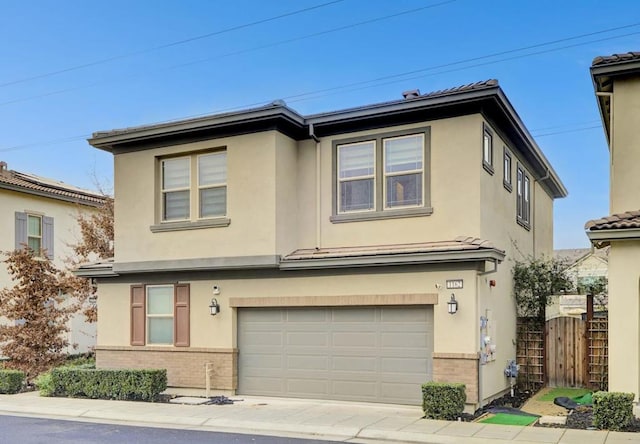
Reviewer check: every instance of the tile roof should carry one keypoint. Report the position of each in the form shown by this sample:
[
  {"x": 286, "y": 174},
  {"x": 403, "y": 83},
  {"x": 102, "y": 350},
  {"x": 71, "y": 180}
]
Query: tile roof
[
  {"x": 619, "y": 221},
  {"x": 573, "y": 255},
  {"x": 43, "y": 186},
  {"x": 459, "y": 244},
  {"x": 616, "y": 58}
]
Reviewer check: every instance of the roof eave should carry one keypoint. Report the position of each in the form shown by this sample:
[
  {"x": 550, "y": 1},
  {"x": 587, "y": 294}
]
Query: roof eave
[
  {"x": 394, "y": 259},
  {"x": 69, "y": 199},
  {"x": 107, "y": 140},
  {"x": 602, "y": 238}
]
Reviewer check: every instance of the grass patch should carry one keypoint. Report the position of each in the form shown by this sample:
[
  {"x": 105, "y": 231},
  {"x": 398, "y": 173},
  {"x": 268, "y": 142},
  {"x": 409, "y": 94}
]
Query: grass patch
[
  {"x": 509, "y": 419},
  {"x": 563, "y": 391}
]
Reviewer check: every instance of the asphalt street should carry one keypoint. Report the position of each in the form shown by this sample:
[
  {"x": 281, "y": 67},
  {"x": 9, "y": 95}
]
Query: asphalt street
[{"x": 23, "y": 430}]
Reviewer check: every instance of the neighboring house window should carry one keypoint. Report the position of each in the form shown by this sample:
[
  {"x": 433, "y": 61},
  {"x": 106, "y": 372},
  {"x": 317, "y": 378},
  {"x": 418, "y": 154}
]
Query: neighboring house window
[
  {"x": 185, "y": 194},
  {"x": 35, "y": 232},
  {"x": 506, "y": 166},
  {"x": 383, "y": 175},
  {"x": 487, "y": 149},
  {"x": 160, "y": 315},
  {"x": 523, "y": 197}
]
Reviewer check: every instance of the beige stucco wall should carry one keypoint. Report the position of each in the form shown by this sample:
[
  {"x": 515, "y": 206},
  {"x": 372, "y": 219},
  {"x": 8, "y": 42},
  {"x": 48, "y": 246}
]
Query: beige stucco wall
[
  {"x": 219, "y": 331},
  {"x": 251, "y": 203},
  {"x": 624, "y": 314},
  {"x": 65, "y": 232},
  {"x": 625, "y": 156},
  {"x": 286, "y": 174}
]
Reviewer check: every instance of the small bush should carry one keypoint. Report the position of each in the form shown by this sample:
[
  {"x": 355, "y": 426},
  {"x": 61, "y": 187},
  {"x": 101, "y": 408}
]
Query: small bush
[
  {"x": 612, "y": 410},
  {"x": 11, "y": 381},
  {"x": 443, "y": 400},
  {"x": 44, "y": 383},
  {"x": 144, "y": 385}
]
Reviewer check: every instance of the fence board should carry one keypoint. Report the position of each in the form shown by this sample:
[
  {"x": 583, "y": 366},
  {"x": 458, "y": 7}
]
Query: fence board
[{"x": 565, "y": 352}]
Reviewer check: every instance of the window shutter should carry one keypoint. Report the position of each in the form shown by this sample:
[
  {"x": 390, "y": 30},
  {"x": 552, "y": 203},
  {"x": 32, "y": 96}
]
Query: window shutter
[
  {"x": 181, "y": 316},
  {"x": 21, "y": 230},
  {"x": 138, "y": 315},
  {"x": 47, "y": 235}
]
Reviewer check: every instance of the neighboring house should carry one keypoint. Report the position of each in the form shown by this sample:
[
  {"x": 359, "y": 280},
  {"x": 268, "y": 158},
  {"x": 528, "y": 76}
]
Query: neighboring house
[
  {"x": 333, "y": 244},
  {"x": 585, "y": 266},
  {"x": 616, "y": 81},
  {"x": 42, "y": 213}
]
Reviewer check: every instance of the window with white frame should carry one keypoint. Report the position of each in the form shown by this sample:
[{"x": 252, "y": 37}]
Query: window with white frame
[
  {"x": 403, "y": 171},
  {"x": 34, "y": 233},
  {"x": 159, "y": 314},
  {"x": 383, "y": 175},
  {"x": 201, "y": 195},
  {"x": 212, "y": 184},
  {"x": 356, "y": 176},
  {"x": 176, "y": 189}
]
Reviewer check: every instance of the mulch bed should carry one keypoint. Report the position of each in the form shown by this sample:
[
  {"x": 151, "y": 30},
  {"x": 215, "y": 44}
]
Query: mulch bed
[{"x": 582, "y": 418}]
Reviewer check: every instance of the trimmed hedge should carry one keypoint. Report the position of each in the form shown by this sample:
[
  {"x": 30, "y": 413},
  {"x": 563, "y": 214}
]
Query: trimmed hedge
[
  {"x": 11, "y": 381},
  {"x": 443, "y": 400},
  {"x": 133, "y": 385},
  {"x": 612, "y": 410}
]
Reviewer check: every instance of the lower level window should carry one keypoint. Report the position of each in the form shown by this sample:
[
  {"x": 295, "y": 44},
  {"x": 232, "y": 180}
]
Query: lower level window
[{"x": 160, "y": 314}]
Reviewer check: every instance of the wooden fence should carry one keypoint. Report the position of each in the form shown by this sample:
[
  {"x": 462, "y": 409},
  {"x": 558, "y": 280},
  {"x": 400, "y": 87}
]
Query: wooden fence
[{"x": 563, "y": 352}]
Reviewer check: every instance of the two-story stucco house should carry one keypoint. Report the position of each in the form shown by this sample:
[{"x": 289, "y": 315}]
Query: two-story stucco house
[
  {"x": 353, "y": 254},
  {"x": 616, "y": 82},
  {"x": 42, "y": 213}
]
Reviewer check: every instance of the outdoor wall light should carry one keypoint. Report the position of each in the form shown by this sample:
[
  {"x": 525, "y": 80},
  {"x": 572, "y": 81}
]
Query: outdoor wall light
[
  {"x": 452, "y": 305},
  {"x": 214, "y": 308}
]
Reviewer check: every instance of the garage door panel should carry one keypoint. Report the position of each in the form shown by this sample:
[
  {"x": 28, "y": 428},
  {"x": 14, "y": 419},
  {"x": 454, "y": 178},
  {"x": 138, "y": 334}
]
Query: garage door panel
[{"x": 378, "y": 354}]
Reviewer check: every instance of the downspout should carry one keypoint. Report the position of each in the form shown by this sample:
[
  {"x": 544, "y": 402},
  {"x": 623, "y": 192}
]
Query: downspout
[{"x": 312, "y": 134}]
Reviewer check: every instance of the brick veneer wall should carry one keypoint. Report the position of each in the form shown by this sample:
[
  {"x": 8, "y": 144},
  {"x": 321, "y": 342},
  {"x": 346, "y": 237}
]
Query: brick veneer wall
[
  {"x": 185, "y": 366},
  {"x": 458, "y": 367}
]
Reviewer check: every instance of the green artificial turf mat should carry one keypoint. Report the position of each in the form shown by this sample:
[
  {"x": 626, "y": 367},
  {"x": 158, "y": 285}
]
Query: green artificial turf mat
[
  {"x": 586, "y": 399},
  {"x": 509, "y": 419},
  {"x": 563, "y": 391}
]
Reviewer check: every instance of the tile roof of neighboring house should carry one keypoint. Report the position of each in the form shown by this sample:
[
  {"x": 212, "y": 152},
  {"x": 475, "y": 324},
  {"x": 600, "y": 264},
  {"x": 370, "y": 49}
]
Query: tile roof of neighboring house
[
  {"x": 573, "y": 255},
  {"x": 42, "y": 186},
  {"x": 620, "y": 221},
  {"x": 616, "y": 58},
  {"x": 460, "y": 244}
]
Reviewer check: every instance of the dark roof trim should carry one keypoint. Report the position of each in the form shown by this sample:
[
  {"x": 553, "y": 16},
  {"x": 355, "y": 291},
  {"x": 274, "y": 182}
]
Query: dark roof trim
[
  {"x": 70, "y": 199},
  {"x": 481, "y": 97},
  {"x": 603, "y": 70}
]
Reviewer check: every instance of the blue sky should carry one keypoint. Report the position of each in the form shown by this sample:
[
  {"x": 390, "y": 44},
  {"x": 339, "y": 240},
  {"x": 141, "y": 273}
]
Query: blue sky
[{"x": 339, "y": 48}]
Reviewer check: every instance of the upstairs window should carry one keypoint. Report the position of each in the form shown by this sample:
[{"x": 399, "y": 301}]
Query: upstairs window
[
  {"x": 193, "y": 187},
  {"x": 403, "y": 171},
  {"x": 356, "y": 177},
  {"x": 381, "y": 176},
  {"x": 523, "y": 198},
  {"x": 176, "y": 183},
  {"x": 506, "y": 166},
  {"x": 34, "y": 231},
  {"x": 487, "y": 149}
]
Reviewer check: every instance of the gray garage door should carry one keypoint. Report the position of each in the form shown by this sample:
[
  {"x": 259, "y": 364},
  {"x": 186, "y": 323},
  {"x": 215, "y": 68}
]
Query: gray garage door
[{"x": 378, "y": 354}]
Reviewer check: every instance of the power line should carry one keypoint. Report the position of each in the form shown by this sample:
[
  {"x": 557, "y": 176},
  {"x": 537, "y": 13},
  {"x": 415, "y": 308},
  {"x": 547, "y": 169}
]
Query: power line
[
  {"x": 569, "y": 131},
  {"x": 565, "y": 125},
  {"x": 244, "y": 51},
  {"x": 168, "y": 45}
]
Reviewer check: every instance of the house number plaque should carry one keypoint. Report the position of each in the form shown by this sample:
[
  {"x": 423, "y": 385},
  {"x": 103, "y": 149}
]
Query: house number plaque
[{"x": 454, "y": 284}]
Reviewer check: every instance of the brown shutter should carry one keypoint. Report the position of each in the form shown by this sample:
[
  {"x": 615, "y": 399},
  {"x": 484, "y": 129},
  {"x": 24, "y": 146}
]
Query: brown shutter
[
  {"x": 181, "y": 313},
  {"x": 138, "y": 315}
]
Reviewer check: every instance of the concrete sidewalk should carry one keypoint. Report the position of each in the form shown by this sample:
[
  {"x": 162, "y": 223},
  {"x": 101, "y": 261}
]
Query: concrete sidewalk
[{"x": 328, "y": 420}]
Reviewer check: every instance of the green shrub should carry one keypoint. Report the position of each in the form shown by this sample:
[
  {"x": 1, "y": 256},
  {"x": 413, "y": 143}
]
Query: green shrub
[
  {"x": 612, "y": 410},
  {"x": 11, "y": 381},
  {"x": 145, "y": 385},
  {"x": 443, "y": 400},
  {"x": 44, "y": 382}
]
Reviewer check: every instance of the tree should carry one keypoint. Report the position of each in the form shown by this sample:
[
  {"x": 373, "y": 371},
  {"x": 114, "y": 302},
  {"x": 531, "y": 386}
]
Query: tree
[
  {"x": 96, "y": 243},
  {"x": 535, "y": 281},
  {"x": 35, "y": 307}
]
